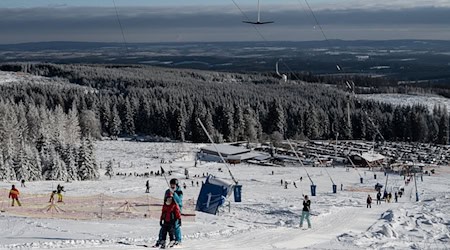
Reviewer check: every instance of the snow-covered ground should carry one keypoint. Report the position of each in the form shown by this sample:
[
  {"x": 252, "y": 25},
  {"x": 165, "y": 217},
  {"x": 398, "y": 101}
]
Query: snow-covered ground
[
  {"x": 403, "y": 99},
  {"x": 268, "y": 217}
]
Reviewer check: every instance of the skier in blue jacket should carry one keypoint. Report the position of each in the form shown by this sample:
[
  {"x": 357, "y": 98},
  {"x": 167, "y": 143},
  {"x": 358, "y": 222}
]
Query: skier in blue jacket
[{"x": 177, "y": 194}]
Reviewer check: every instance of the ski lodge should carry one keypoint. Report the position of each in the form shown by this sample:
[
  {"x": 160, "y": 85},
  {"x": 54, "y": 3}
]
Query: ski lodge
[
  {"x": 231, "y": 154},
  {"x": 367, "y": 159}
]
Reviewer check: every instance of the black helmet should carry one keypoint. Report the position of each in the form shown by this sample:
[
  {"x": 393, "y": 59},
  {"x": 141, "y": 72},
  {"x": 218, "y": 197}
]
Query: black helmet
[{"x": 174, "y": 181}]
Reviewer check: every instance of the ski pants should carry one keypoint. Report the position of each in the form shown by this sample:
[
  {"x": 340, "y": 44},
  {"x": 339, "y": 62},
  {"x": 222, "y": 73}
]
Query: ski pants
[
  {"x": 18, "y": 202},
  {"x": 369, "y": 205},
  {"x": 177, "y": 231},
  {"x": 305, "y": 215},
  {"x": 167, "y": 228}
]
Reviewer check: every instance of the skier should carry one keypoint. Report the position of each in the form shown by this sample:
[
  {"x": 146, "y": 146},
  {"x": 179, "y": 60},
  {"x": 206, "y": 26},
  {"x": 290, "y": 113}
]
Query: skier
[
  {"x": 59, "y": 190},
  {"x": 305, "y": 211},
  {"x": 295, "y": 185},
  {"x": 396, "y": 197},
  {"x": 170, "y": 217},
  {"x": 177, "y": 195},
  {"x": 281, "y": 182},
  {"x": 52, "y": 196},
  {"x": 369, "y": 201},
  {"x": 147, "y": 186},
  {"x": 14, "y": 195},
  {"x": 184, "y": 185},
  {"x": 22, "y": 183},
  {"x": 378, "y": 198},
  {"x": 389, "y": 197},
  {"x": 342, "y": 187}
]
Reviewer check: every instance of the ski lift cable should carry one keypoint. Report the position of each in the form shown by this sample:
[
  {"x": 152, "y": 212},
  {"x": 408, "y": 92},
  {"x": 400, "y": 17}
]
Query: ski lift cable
[
  {"x": 125, "y": 43},
  {"x": 354, "y": 166},
  {"x": 338, "y": 67},
  {"x": 215, "y": 147},
  {"x": 262, "y": 36},
  {"x": 301, "y": 163},
  {"x": 325, "y": 169}
]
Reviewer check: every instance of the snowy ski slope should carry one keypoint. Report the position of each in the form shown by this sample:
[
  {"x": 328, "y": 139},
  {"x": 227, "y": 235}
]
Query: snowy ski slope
[{"x": 267, "y": 218}]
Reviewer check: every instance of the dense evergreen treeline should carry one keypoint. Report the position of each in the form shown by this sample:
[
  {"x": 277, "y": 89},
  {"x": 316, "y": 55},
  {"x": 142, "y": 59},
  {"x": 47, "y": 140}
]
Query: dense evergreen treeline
[
  {"x": 38, "y": 143},
  {"x": 129, "y": 100}
]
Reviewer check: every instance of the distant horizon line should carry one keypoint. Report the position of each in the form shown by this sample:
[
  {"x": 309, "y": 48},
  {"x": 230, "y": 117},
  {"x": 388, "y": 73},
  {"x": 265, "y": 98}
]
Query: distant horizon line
[{"x": 256, "y": 41}]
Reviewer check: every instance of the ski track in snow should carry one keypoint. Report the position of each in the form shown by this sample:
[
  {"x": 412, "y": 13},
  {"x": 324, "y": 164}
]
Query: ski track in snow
[{"x": 268, "y": 217}]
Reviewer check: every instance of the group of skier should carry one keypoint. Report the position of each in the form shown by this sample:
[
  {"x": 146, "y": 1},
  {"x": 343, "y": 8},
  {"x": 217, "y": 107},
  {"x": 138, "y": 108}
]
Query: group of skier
[{"x": 386, "y": 196}]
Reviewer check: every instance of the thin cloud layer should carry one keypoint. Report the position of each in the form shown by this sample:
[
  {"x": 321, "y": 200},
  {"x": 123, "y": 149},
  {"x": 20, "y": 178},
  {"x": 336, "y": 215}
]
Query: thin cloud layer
[{"x": 164, "y": 24}]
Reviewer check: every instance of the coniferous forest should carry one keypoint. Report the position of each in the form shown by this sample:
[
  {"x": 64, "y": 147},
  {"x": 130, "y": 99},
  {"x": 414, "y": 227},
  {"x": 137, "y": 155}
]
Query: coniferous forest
[{"x": 47, "y": 130}]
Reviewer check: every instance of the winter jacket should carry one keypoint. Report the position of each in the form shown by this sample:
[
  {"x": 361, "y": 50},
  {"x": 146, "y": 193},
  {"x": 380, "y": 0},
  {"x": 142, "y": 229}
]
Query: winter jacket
[
  {"x": 14, "y": 193},
  {"x": 177, "y": 196},
  {"x": 306, "y": 205},
  {"x": 378, "y": 196},
  {"x": 369, "y": 200},
  {"x": 170, "y": 213}
]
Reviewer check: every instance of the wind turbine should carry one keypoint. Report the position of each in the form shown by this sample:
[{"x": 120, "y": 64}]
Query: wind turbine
[{"x": 259, "y": 18}]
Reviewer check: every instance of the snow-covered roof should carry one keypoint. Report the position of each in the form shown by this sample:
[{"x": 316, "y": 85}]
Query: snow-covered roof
[
  {"x": 248, "y": 155},
  {"x": 371, "y": 157},
  {"x": 225, "y": 149}
]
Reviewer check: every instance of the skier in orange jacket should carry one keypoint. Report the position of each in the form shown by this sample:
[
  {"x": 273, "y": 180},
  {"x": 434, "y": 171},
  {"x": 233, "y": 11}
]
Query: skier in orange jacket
[{"x": 14, "y": 195}]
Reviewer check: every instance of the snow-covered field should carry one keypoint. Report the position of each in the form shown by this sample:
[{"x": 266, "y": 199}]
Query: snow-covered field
[
  {"x": 403, "y": 99},
  {"x": 268, "y": 217}
]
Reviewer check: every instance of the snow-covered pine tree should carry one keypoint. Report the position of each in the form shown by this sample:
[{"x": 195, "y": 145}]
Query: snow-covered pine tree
[
  {"x": 22, "y": 164},
  {"x": 4, "y": 170},
  {"x": 87, "y": 167},
  {"x": 70, "y": 156},
  {"x": 115, "y": 122},
  {"x": 35, "y": 171},
  {"x": 109, "y": 169},
  {"x": 57, "y": 170}
]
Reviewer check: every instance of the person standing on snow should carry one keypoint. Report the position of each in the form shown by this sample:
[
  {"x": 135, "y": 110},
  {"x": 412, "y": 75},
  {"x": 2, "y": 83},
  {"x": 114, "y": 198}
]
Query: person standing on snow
[
  {"x": 369, "y": 201},
  {"x": 177, "y": 195},
  {"x": 147, "y": 187},
  {"x": 14, "y": 195},
  {"x": 305, "y": 211},
  {"x": 170, "y": 217},
  {"x": 378, "y": 198}
]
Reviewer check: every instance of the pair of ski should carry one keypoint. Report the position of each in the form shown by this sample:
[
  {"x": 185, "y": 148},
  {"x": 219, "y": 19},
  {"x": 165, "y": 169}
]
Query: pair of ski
[{"x": 172, "y": 244}]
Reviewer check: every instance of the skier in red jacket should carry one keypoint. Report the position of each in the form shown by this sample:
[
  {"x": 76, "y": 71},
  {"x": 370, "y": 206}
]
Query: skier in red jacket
[
  {"x": 169, "y": 217},
  {"x": 14, "y": 195}
]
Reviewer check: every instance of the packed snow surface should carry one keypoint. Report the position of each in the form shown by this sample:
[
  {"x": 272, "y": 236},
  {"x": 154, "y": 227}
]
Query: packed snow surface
[{"x": 268, "y": 217}]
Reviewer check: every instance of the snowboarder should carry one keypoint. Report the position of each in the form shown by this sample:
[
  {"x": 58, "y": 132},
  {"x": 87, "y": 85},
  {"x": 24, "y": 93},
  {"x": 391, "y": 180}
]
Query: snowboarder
[
  {"x": 177, "y": 195},
  {"x": 378, "y": 198},
  {"x": 14, "y": 195},
  {"x": 170, "y": 217},
  {"x": 305, "y": 211},
  {"x": 369, "y": 201},
  {"x": 147, "y": 186}
]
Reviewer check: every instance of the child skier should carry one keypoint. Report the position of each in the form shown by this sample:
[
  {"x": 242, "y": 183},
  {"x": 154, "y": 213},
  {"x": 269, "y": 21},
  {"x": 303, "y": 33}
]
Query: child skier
[
  {"x": 14, "y": 195},
  {"x": 170, "y": 217},
  {"x": 177, "y": 194}
]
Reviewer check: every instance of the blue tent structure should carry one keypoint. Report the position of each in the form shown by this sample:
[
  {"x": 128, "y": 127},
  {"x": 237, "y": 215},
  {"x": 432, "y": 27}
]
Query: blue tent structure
[{"x": 213, "y": 194}]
